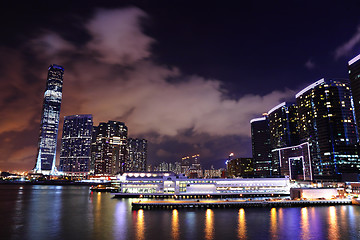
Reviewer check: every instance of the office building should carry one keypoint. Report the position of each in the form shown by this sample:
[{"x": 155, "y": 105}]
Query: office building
[
  {"x": 109, "y": 148},
  {"x": 261, "y": 147},
  {"x": 49, "y": 125},
  {"x": 75, "y": 154},
  {"x": 137, "y": 155}
]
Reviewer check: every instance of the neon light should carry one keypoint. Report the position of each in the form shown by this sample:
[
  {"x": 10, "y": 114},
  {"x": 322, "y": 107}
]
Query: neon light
[
  {"x": 311, "y": 86},
  {"x": 258, "y": 119},
  {"x": 355, "y": 59},
  {"x": 277, "y": 149},
  {"x": 276, "y": 107}
]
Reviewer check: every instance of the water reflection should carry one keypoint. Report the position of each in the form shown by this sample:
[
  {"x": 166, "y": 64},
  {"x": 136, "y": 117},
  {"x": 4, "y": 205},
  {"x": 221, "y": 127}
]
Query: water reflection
[
  {"x": 98, "y": 213},
  {"x": 38, "y": 212},
  {"x": 175, "y": 224},
  {"x": 120, "y": 225},
  {"x": 273, "y": 224},
  {"x": 242, "y": 224},
  {"x": 305, "y": 223},
  {"x": 333, "y": 224},
  {"x": 209, "y": 224},
  {"x": 140, "y": 225},
  {"x": 44, "y": 220}
]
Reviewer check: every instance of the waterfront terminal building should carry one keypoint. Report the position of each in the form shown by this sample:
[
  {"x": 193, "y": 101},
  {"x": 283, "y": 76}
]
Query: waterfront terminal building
[{"x": 164, "y": 184}]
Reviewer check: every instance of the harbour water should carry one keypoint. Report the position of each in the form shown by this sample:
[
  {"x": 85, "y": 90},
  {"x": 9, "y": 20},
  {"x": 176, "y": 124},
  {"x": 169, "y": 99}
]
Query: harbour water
[{"x": 73, "y": 212}]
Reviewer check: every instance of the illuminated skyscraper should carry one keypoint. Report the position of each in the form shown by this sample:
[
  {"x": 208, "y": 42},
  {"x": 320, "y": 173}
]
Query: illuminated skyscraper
[
  {"x": 75, "y": 154},
  {"x": 109, "y": 143},
  {"x": 354, "y": 75},
  {"x": 46, "y": 157},
  {"x": 261, "y": 148},
  {"x": 137, "y": 155},
  {"x": 283, "y": 124},
  {"x": 327, "y": 123}
]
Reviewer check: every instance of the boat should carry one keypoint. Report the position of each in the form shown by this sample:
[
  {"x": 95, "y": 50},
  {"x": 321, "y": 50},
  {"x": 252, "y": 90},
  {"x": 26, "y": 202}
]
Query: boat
[{"x": 104, "y": 188}]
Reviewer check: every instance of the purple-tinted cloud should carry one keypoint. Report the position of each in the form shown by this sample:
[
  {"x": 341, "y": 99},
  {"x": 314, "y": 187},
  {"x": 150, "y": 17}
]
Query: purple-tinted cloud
[
  {"x": 310, "y": 64},
  {"x": 346, "y": 49}
]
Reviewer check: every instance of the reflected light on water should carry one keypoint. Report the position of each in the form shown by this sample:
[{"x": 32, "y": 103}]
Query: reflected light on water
[
  {"x": 333, "y": 224},
  {"x": 175, "y": 224},
  {"x": 242, "y": 224},
  {"x": 305, "y": 223},
  {"x": 343, "y": 214},
  {"x": 273, "y": 224},
  {"x": 209, "y": 224},
  {"x": 140, "y": 225}
]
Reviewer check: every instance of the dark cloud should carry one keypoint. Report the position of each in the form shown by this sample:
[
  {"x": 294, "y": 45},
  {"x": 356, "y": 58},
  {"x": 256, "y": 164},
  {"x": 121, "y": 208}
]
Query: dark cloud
[{"x": 113, "y": 77}]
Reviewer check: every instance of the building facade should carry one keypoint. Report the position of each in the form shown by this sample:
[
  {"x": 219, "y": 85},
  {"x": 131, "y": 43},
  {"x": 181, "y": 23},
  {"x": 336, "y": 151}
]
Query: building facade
[
  {"x": 261, "y": 147},
  {"x": 283, "y": 130},
  {"x": 240, "y": 167},
  {"x": 137, "y": 155},
  {"x": 327, "y": 123},
  {"x": 49, "y": 125},
  {"x": 295, "y": 161},
  {"x": 354, "y": 76},
  {"x": 109, "y": 148},
  {"x": 155, "y": 183},
  {"x": 75, "y": 154}
]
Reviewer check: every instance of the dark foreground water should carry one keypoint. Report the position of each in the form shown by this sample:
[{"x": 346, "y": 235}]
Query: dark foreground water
[{"x": 72, "y": 212}]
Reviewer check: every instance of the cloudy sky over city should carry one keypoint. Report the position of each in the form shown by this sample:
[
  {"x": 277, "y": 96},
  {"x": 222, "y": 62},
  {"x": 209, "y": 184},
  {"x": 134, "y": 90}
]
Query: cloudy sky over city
[{"x": 186, "y": 76}]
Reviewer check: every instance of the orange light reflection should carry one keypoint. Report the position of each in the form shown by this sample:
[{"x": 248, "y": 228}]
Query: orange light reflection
[
  {"x": 175, "y": 225},
  {"x": 140, "y": 225},
  {"x": 333, "y": 224},
  {"x": 305, "y": 223},
  {"x": 273, "y": 224},
  {"x": 209, "y": 224},
  {"x": 242, "y": 224}
]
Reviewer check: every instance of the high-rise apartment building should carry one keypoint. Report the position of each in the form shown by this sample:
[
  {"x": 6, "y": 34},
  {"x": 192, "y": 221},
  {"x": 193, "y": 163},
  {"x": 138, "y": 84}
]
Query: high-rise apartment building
[
  {"x": 75, "y": 154},
  {"x": 49, "y": 125},
  {"x": 261, "y": 147},
  {"x": 137, "y": 155},
  {"x": 326, "y": 122},
  {"x": 109, "y": 148}
]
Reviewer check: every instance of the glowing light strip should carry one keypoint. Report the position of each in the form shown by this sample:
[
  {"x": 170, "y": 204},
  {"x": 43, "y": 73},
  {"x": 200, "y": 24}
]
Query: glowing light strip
[
  {"x": 277, "y": 149},
  {"x": 310, "y": 87},
  {"x": 257, "y": 119},
  {"x": 355, "y": 59},
  {"x": 276, "y": 107}
]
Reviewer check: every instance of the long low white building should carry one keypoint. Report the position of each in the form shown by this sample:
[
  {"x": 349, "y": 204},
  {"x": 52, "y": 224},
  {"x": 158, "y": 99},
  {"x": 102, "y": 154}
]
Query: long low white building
[{"x": 171, "y": 184}]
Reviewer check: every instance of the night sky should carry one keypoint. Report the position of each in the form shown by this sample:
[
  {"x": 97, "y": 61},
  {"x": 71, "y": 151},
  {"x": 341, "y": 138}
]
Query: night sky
[{"x": 186, "y": 75}]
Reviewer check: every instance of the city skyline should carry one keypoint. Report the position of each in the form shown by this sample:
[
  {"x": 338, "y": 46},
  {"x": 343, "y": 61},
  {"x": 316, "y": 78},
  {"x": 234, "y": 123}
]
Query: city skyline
[{"x": 187, "y": 84}]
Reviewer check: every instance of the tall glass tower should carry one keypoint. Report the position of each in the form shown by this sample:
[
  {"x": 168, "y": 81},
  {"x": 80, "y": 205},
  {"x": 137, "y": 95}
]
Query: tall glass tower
[{"x": 49, "y": 125}]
